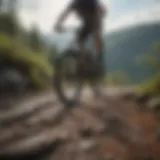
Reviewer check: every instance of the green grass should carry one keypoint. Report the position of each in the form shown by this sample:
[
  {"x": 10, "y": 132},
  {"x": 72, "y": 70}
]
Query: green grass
[
  {"x": 37, "y": 64},
  {"x": 152, "y": 86}
]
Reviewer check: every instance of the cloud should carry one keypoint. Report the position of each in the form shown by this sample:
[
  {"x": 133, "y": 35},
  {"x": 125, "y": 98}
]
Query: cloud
[
  {"x": 44, "y": 16},
  {"x": 148, "y": 15},
  {"x": 45, "y": 12}
]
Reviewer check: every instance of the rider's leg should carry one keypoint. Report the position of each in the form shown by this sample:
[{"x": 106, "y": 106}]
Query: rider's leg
[
  {"x": 98, "y": 40},
  {"x": 81, "y": 38},
  {"x": 96, "y": 25},
  {"x": 98, "y": 43}
]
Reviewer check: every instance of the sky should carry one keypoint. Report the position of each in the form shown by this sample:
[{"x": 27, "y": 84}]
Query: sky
[{"x": 121, "y": 13}]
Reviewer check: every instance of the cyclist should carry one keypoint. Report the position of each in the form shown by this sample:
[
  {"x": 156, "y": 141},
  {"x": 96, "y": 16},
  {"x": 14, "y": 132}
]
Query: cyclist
[{"x": 91, "y": 12}]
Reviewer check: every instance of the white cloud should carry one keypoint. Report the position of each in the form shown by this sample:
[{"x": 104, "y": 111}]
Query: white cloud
[
  {"x": 46, "y": 14},
  {"x": 47, "y": 11},
  {"x": 138, "y": 17}
]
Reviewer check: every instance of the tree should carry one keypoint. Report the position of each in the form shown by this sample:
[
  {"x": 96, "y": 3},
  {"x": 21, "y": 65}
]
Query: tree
[
  {"x": 8, "y": 20},
  {"x": 8, "y": 24},
  {"x": 10, "y": 6},
  {"x": 52, "y": 54},
  {"x": 1, "y": 5},
  {"x": 34, "y": 39}
]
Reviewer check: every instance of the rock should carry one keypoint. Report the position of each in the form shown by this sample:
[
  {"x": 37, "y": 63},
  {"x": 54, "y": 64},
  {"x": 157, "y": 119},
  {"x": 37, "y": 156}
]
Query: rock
[
  {"x": 145, "y": 158},
  {"x": 86, "y": 145},
  {"x": 63, "y": 136},
  {"x": 86, "y": 132},
  {"x": 32, "y": 153},
  {"x": 158, "y": 135},
  {"x": 109, "y": 157},
  {"x": 154, "y": 104},
  {"x": 108, "y": 121},
  {"x": 130, "y": 96},
  {"x": 12, "y": 80},
  {"x": 143, "y": 98}
]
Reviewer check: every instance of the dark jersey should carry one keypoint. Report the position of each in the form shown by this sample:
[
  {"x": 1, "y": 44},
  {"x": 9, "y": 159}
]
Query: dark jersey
[
  {"x": 89, "y": 5},
  {"x": 84, "y": 8}
]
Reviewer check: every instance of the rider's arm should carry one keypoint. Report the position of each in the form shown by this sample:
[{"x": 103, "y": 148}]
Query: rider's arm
[{"x": 64, "y": 15}]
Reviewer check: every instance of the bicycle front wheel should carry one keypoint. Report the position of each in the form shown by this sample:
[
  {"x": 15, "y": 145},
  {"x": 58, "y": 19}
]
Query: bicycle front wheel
[{"x": 67, "y": 80}]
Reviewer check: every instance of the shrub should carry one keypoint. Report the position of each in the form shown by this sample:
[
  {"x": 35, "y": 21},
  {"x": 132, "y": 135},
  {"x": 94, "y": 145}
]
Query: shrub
[{"x": 35, "y": 65}]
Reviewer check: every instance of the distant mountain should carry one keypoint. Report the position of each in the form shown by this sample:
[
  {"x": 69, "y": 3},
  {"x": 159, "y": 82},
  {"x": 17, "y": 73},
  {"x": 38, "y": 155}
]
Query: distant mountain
[
  {"x": 122, "y": 48},
  {"x": 125, "y": 46}
]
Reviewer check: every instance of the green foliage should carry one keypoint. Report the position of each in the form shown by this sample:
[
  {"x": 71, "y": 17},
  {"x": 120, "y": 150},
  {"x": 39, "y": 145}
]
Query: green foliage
[
  {"x": 36, "y": 64},
  {"x": 153, "y": 62},
  {"x": 153, "y": 85},
  {"x": 35, "y": 41},
  {"x": 23, "y": 50},
  {"x": 117, "y": 78},
  {"x": 8, "y": 17},
  {"x": 8, "y": 24}
]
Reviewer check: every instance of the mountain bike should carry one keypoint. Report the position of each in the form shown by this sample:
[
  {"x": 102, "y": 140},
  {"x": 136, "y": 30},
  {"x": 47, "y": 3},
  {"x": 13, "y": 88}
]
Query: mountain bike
[{"x": 73, "y": 70}]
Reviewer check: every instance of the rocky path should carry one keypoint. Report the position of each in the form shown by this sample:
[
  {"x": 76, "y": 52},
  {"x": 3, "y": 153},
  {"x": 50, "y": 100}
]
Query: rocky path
[{"x": 115, "y": 128}]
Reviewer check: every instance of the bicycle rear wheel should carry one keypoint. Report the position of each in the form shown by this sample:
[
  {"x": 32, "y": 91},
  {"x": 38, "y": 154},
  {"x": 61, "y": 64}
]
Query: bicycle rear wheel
[{"x": 67, "y": 80}]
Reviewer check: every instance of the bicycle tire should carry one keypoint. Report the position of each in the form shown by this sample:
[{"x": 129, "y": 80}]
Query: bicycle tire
[{"x": 58, "y": 67}]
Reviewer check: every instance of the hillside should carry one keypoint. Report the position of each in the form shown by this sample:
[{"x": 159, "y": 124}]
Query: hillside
[{"x": 125, "y": 46}]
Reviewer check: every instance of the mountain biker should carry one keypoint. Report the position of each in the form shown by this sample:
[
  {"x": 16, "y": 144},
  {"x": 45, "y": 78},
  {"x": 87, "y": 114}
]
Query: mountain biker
[{"x": 91, "y": 12}]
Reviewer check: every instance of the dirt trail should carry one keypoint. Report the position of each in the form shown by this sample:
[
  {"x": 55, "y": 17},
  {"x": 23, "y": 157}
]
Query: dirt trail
[{"x": 37, "y": 127}]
